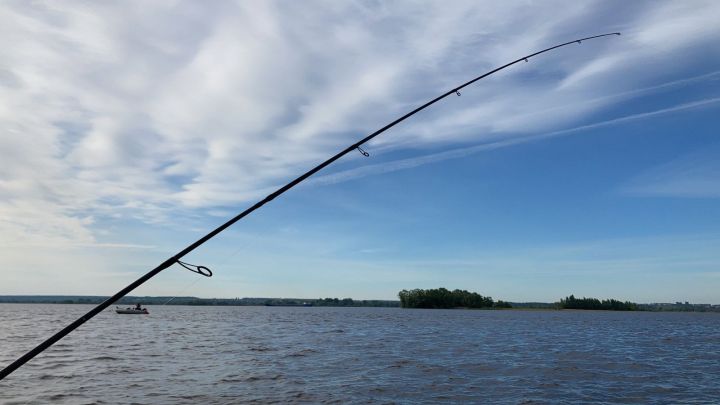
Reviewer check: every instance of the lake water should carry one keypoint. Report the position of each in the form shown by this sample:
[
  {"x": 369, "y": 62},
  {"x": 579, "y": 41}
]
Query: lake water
[{"x": 224, "y": 355}]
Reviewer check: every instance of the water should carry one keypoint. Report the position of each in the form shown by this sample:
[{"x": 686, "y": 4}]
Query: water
[{"x": 222, "y": 355}]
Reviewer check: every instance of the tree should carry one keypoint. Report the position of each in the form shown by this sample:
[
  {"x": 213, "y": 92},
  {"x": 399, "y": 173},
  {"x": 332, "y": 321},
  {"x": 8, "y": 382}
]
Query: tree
[{"x": 443, "y": 298}]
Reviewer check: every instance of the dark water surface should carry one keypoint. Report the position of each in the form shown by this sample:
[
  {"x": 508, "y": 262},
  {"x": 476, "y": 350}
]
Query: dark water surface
[{"x": 230, "y": 355}]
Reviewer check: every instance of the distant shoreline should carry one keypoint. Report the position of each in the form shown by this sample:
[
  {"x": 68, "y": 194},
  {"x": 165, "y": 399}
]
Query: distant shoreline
[
  {"x": 195, "y": 301},
  {"x": 307, "y": 302}
]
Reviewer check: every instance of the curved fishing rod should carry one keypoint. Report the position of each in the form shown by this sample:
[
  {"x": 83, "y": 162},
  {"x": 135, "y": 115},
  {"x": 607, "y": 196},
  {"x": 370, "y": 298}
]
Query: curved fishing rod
[{"x": 204, "y": 270}]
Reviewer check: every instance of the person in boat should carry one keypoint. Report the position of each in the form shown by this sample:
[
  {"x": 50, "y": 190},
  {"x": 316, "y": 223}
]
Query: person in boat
[{"x": 138, "y": 307}]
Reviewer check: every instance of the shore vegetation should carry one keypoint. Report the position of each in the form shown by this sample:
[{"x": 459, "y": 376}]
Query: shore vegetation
[
  {"x": 444, "y": 298},
  {"x": 593, "y": 303}
]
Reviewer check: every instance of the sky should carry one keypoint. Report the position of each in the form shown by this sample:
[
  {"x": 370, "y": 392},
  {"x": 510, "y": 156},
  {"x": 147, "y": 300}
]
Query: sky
[{"x": 128, "y": 130}]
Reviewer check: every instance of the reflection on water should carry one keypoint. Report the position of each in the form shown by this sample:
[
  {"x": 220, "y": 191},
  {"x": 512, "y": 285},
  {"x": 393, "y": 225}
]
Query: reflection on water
[{"x": 296, "y": 354}]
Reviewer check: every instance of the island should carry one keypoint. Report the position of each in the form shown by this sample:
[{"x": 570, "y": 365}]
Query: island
[{"x": 446, "y": 299}]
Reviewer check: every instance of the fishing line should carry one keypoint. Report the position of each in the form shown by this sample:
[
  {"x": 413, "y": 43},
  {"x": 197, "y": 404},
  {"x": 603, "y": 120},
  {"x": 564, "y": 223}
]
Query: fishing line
[
  {"x": 202, "y": 269},
  {"x": 177, "y": 294},
  {"x": 241, "y": 247},
  {"x": 225, "y": 259}
]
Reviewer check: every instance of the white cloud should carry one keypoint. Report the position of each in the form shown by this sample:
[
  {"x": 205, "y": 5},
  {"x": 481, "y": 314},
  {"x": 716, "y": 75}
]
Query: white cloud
[{"x": 141, "y": 109}]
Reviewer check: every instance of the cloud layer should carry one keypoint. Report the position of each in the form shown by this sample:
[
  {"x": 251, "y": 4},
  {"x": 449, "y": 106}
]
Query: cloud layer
[{"x": 138, "y": 110}]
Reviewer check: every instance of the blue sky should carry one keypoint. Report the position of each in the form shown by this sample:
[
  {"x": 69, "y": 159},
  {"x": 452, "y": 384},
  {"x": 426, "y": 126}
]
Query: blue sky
[{"x": 130, "y": 130}]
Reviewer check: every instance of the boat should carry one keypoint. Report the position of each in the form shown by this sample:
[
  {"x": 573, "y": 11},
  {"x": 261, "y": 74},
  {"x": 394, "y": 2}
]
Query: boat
[{"x": 129, "y": 311}]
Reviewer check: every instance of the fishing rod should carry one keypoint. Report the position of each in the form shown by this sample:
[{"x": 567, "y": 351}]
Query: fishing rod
[{"x": 202, "y": 270}]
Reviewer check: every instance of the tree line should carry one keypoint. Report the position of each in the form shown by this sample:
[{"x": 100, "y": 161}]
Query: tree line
[
  {"x": 593, "y": 303},
  {"x": 444, "y": 298},
  {"x": 146, "y": 300}
]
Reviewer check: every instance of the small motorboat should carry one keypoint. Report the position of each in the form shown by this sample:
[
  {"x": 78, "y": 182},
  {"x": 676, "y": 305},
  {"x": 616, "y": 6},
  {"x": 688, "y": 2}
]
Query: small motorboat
[{"x": 129, "y": 311}]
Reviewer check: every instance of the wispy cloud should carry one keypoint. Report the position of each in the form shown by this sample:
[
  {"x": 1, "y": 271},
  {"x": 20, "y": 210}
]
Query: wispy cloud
[
  {"x": 694, "y": 175},
  {"x": 143, "y": 110},
  {"x": 610, "y": 267},
  {"x": 403, "y": 164},
  {"x": 669, "y": 268}
]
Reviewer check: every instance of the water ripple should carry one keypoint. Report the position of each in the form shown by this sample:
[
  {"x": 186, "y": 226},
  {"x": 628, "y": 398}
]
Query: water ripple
[{"x": 226, "y": 355}]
